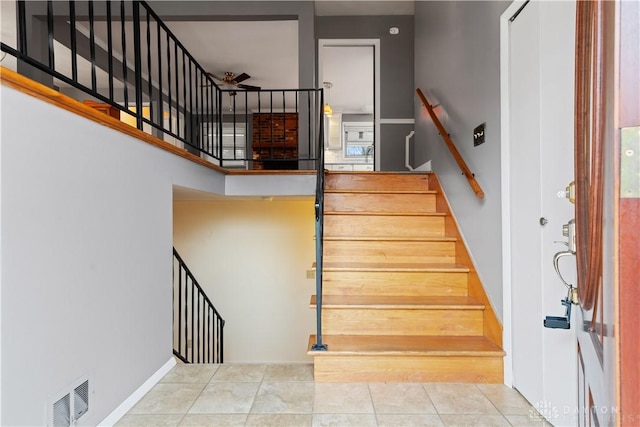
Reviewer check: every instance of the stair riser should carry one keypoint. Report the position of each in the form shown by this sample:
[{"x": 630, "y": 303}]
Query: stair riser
[
  {"x": 401, "y": 322},
  {"x": 377, "y": 182},
  {"x": 384, "y": 203},
  {"x": 394, "y": 283},
  {"x": 397, "y": 368},
  {"x": 392, "y": 251},
  {"x": 383, "y": 226}
]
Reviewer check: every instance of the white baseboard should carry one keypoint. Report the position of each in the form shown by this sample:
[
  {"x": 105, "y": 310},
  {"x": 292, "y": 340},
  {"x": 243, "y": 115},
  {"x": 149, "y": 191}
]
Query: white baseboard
[{"x": 125, "y": 406}]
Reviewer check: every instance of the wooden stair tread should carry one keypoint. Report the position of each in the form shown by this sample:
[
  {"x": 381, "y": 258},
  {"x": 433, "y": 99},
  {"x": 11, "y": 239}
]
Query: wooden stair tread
[
  {"x": 389, "y": 239},
  {"x": 385, "y": 302},
  {"x": 381, "y": 213},
  {"x": 348, "y": 191},
  {"x": 366, "y": 213},
  {"x": 390, "y": 266},
  {"x": 415, "y": 345}
]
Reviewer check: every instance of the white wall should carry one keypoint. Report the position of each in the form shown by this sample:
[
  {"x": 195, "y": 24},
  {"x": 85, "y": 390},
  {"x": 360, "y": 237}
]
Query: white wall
[
  {"x": 86, "y": 257},
  {"x": 457, "y": 62},
  {"x": 250, "y": 257}
]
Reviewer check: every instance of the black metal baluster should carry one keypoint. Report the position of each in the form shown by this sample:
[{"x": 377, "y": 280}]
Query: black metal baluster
[
  {"x": 109, "y": 50},
  {"x": 169, "y": 79},
  {"x": 284, "y": 126},
  {"x": 198, "y": 328},
  {"x": 209, "y": 115},
  {"x": 234, "y": 125},
  {"x": 22, "y": 27},
  {"x": 92, "y": 46},
  {"x": 52, "y": 60},
  {"x": 124, "y": 56},
  {"x": 221, "y": 359},
  {"x": 272, "y": 124},
  {"x": 175, "y": 51},
  {"x": 191, "y": 119},
  {"x": 137, "y": 63},
  {"x": 246, "y": 121},
  {"x": 180, "y": 309},
  {"x": 193, "y": 321},
  {"x": 186, "y": 317},
  {"x": 184, "y": 93},
  {"x": 74, "y": 40},
  {"x": 149, "y": 74}
]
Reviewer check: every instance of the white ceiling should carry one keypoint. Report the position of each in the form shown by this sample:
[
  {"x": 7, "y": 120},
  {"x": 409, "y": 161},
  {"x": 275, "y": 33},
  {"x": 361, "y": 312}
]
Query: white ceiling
[
  {"x": 266, "y": 50},
  {"x": 350, "y": 71}
]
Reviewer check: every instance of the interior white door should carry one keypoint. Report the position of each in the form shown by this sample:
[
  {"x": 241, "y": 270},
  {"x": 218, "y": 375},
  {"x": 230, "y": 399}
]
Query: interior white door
[
  {"x": 540, "y": 165},
  {"x": 526, "y": 209}
]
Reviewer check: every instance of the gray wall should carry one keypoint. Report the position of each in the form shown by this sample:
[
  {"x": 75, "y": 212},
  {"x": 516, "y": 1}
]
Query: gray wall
[
  {"x": 458, "y": 64},
  {"x": 86, "y": 238},
  {"x": 396, "y": 72}
]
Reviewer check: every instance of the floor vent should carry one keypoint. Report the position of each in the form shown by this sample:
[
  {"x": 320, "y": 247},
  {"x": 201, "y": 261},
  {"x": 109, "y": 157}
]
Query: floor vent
[{"x": 68, "y": 407}]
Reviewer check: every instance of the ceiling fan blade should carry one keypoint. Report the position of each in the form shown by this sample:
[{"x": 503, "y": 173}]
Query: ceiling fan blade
[
  {"x": 242, "y": 77},
  {"x": 249, "y": 87}
]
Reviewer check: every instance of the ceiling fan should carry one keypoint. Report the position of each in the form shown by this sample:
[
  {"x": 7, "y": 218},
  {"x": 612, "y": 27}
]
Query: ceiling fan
[{"x": 231, "y": 81}]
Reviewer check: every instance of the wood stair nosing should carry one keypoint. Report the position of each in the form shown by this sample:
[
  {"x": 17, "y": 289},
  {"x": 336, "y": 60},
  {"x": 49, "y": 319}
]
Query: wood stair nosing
[
  {"x": 406, "y": 345},
  {"x": 375, "y": 302},
  {"x": 392, "y": 267},
  {"x": 358, "y": 191},
  {"x": 389, "y": 239}
]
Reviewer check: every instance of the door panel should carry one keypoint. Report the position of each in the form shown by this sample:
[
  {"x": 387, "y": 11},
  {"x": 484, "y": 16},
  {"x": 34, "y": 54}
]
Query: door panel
[{"x": 541, "y": 164}]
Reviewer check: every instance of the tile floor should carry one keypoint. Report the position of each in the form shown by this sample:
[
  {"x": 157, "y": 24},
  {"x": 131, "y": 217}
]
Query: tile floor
[{"x": 285, "y": 395}]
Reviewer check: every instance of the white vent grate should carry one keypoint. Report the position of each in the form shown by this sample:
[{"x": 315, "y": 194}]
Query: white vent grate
[
  {"x": 71, "y": 404},
  {"x": 81, "y": 400},
  {"x": 61, "y": 416}
]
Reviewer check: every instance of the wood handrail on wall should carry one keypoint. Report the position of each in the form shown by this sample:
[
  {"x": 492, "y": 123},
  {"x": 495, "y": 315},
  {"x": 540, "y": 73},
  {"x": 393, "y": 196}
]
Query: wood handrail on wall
[{"x": 447, "y": 139}]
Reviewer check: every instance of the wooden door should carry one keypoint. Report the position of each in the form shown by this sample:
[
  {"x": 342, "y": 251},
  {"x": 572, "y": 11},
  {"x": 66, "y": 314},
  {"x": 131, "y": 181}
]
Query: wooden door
[{"x": 607, "y": 219}]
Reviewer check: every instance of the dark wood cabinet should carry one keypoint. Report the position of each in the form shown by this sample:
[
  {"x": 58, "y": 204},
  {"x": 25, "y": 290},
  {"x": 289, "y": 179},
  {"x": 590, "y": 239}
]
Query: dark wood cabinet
[{"x": 275, "y": 141}]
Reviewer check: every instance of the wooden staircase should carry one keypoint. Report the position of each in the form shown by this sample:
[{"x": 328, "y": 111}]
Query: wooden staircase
[{"x": 401, "y": 298}]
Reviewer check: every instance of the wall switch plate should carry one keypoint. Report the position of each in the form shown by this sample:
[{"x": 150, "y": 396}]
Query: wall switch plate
[
  {"x": 311, "y": 274},
  {"x": 478, "y": 135}
]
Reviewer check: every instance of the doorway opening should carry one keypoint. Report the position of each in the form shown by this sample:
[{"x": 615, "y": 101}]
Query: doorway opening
[{"x": 349, "y": 69}]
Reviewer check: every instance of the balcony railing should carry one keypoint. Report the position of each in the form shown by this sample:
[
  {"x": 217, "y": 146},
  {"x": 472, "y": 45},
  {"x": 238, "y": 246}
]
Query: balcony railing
[{"x": 121, "y": 54}]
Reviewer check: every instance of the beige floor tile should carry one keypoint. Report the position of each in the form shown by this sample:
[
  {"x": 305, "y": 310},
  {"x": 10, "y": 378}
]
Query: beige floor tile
[
  {"x": 279, "y": 420},
  {"x": 168, "y": 398},
  {"x": 459, "y": 399},
  {"x": 342, "y": 398},
  {"x": 527, "y": 421},
  {"x": 131, "y": 420},
  {"x": 294, "y": 372},
  {"x": 475, "y": 420},
  {"x": 400, "y": 398},
  {"x": 213, "y": 420},
  {"x": 225, "y": 398},
  {"x": 344, "y": 420},
  {"x": 409, "y": 420},
  {"x": 239, "y": 373},
  {"x": 190, "y": 374},
  {"x": 507, "y": 400},
  {"x": 284, "y": 397}
]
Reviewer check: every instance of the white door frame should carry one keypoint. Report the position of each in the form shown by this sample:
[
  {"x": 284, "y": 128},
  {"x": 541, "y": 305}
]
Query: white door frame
[
  {"x": 505, "y": 153},
  {"x": 376, "y": 80}
]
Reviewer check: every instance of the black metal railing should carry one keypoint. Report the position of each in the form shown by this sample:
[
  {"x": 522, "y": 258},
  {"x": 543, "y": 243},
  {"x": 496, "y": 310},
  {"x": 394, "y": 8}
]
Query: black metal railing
[
  {"x": 122, "y": 54},
  {"x": 198, "y": 328},
  {"x": 319, "y": 210}
]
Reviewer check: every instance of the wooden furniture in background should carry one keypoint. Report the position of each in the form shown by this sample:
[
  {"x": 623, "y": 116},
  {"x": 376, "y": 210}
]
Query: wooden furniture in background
[
  {"x": 103, "y": 108},
  {"x": 275, "y": 139}
]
